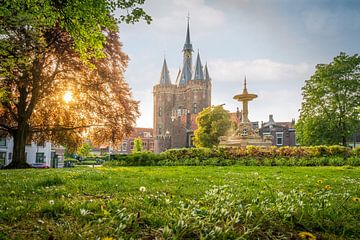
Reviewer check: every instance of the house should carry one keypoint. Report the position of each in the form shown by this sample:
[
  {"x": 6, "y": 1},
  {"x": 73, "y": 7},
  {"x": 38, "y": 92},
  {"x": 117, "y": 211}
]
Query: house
[
  {"x": 127, "y": 145},
  {"x": 51, "y": 155},
  {"x": 283, "y": 133}
]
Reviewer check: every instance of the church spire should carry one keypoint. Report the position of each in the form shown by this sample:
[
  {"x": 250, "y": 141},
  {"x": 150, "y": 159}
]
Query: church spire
[
  {"x": 165, "y": 76},
  {"x": 186, "y": 72},
  {"x": 198, "y": 73},
  {"x": 188, "y": 45}
]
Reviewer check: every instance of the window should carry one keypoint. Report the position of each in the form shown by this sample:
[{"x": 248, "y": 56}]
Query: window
[
  {"x": 194, "y": 108},
  {"x": 40, "y": 157},
  {"x": 2, "y": 158},
  {"x": 131, "y": 145},
  {"x": 2, "y": 142},
  {"x": 279, "y": 138},
  {"x": 179, "y": 112},
  {"x": 151, "y": 146},
  {"x": 160, "y": 130},
  {"x": 160, "y": 112},
  {"x": 144, "y": 145},
  {"x": 147, "y": 134},
  {"x": 10, "y": 156},
  {"x": 124, "y": 146}
]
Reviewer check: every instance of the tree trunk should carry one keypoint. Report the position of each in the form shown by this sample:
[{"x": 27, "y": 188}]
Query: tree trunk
[{"x": 19, "y": 157}]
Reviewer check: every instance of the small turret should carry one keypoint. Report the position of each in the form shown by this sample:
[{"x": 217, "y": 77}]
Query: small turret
[
  {"x": 198, "y": 73},
  {"x": 165, "y": 76},
  {"x": 206, "y": 72}
]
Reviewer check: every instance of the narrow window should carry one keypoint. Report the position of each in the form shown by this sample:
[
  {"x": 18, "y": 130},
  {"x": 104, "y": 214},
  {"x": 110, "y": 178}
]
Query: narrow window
[
  {"x": 2, "y": 158},
  {"x": 2, "y": 142},
  {"x": 279, "y": 138},
  {"x": 194, "y": 108},
  {"x": 160, "y": 111}
]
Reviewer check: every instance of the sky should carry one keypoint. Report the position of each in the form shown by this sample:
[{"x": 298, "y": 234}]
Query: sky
[{"x": 275, "y": 43}]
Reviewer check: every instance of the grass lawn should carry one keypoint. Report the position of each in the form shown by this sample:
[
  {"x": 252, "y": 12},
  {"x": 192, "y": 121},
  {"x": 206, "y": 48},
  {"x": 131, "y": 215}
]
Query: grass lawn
[{"x": 181, "y": 203}]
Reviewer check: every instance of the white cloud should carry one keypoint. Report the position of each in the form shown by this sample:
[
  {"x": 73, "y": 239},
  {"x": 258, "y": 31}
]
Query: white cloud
[{"x": 258, "y": 70}]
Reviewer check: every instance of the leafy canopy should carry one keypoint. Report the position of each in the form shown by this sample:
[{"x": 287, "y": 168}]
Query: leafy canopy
[
  {"x": 62, "y": 71},
  {"x": 212, "y": 122},
  {"x": 331, "y": 98}
]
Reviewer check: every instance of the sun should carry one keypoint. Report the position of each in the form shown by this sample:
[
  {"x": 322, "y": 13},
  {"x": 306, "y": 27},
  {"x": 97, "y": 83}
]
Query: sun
[{"x": 68, "y": 96}]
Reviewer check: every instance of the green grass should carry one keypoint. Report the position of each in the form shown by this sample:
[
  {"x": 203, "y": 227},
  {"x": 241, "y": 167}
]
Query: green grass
[{"x": 234, "y": 202}]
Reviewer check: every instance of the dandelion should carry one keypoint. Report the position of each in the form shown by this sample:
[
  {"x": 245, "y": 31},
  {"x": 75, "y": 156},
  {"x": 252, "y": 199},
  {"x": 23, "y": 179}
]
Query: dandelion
[
  {"x": 51, "y": 202},
  {"x": 319, "y": 181},
  {"x": 327, "y": 187},
  {"x": 142, "y": 189},
  {"x": 107, "y": 238},
  {"x": 306, "y": 235},
  {"x": 356, "y": 199}
]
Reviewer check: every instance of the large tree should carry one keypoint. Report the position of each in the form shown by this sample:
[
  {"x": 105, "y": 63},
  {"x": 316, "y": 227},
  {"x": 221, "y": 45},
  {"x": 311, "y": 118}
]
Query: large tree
[
  {"x": 62, "y": 72},
  {"x": 331, "y": 98},
  {"x": 212, "y": 122}
]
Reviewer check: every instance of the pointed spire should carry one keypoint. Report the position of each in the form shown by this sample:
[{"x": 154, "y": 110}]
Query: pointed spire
[
  {"x": 165, "y": 76},
  {"x": 206, "y": 72},
  {"x": 198, "y": 73},
  {"x": 245, "y": 89},
  {"x": 188, "y": 45}
]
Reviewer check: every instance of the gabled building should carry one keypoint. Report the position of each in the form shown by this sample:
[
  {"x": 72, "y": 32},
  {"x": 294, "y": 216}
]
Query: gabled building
[
  {"x": 176, "y": 102},
  {"x": 283, "y": 133}
]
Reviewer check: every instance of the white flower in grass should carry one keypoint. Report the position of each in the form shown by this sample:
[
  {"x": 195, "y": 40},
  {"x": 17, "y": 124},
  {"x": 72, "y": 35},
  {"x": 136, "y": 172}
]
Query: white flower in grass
[
  {"x": 84, "y": 212},
  {"x": 142, "y": 189},
  {"x": 51, "y": 202}
]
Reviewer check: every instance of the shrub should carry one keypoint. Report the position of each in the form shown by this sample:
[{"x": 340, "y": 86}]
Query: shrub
[{"x": 249, "y": 156}]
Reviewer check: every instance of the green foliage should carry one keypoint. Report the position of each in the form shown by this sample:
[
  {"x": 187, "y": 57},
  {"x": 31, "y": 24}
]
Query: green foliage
[
  {"x": 84, "y": 150},
  {"x": 331, "y": 99},
  {"x": 138, "y": 146},
  {"x": 249, "y": 156},
  {"x": 234, "y": 202},
  {"x": 212, "y": 123}
]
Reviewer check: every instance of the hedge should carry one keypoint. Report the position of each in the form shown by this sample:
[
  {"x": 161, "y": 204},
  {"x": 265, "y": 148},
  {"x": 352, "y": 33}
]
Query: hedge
[{"x": 250, "y": 155}]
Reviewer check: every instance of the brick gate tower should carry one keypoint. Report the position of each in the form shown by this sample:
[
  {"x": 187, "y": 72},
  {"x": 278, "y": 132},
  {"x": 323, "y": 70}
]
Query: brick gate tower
[{"x": 176, "y": 105}]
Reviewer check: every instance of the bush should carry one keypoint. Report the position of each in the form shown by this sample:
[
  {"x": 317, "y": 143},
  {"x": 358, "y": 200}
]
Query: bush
[{"x": 249, "y": 156}]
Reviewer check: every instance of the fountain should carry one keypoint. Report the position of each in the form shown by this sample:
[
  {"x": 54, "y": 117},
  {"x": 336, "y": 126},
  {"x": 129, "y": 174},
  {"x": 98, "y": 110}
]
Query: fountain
[{"x": 245, "y": 134}]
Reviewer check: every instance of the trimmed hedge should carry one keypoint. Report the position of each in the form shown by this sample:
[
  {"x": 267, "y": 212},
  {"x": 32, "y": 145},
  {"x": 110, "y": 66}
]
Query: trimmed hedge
[{"x": 248, "y": 156}]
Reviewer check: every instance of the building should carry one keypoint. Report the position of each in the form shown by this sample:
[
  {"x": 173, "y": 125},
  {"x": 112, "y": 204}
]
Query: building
[
  {"x": 146, "y": 135},
  {"x": 51, "y": 155},
  {"x": 283, "y": 133},
  {"x": 176, "y": 104}
]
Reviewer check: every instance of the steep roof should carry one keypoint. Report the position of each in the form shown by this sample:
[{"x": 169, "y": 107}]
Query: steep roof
[
  {"x": 165, "y": 76},
  {"x": 198, "y": 73}
]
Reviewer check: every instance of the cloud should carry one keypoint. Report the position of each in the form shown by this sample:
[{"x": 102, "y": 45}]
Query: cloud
[{"x": 258, "y": 70}]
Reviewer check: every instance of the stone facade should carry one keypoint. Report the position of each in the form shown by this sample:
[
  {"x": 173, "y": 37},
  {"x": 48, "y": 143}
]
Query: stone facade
[{"x": 176, "y": 105}]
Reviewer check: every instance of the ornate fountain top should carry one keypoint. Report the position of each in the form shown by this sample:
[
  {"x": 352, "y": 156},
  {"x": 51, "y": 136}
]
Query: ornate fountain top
[{"x": 245, "y": 96}]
